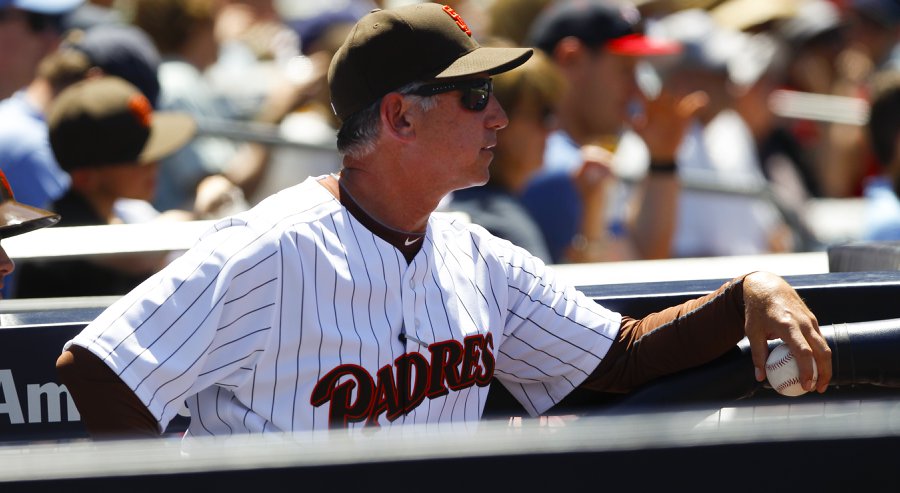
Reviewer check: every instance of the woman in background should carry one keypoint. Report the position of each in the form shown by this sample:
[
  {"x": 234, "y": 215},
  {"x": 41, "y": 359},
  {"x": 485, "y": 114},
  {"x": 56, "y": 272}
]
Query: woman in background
[{"x": 528, "y": 94}]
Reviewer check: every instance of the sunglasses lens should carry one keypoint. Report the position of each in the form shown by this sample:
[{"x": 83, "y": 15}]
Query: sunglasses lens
[
  {"x": 475, "y": 93},
  {"x": 476, "y": 98}
]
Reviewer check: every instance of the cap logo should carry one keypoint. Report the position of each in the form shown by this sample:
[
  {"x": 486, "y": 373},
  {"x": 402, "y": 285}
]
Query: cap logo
[
  {"x": 140, "y": 107},
  {"x": 459, "y": 22}
]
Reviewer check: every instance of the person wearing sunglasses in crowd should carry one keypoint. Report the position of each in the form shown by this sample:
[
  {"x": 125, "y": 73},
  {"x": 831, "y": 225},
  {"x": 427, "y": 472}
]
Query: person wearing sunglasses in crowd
[{"x": 347, "y": 302}]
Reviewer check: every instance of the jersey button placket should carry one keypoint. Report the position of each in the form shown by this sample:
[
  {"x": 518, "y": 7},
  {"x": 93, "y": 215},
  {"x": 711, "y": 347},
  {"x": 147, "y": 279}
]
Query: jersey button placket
[{"x": 408, "y": 295}]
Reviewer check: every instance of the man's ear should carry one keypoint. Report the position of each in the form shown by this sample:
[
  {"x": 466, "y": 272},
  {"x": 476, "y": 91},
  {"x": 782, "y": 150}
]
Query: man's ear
[
  {"x": 398, "y": 115},
  {"x": 569, "y": 51}
]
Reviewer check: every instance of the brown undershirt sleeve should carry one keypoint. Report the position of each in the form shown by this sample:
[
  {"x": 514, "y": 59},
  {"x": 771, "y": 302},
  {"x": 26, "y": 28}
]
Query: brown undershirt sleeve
[
  {"x": 108, "y": 407},
  {"x": 677, "y": 338}
]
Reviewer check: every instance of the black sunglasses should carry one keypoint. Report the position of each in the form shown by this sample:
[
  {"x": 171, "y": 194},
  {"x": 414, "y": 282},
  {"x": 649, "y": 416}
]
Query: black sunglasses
[{"x": 476, "y": 93}]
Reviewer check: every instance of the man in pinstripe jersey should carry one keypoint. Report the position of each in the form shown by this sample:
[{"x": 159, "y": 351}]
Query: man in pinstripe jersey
[{"x": 345, "y": 301}]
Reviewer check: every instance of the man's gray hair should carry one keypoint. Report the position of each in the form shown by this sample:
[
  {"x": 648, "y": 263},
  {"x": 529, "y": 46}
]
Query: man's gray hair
[{"x": 357, "y": 135}]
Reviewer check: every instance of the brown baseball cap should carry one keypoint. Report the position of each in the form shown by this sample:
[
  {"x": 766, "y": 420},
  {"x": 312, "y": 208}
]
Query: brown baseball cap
[
  {"x": 106, "y": 120},
  {"x": 388, "y": 49},
  {"x": 17, "y": 218}
]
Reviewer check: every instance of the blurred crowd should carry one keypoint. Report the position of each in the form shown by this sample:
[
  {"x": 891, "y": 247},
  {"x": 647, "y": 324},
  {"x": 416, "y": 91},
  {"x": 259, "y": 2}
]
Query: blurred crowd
[{"x": 638, "y": 130}]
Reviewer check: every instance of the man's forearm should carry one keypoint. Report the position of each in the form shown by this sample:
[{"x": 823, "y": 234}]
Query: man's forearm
[
  {"x": 652, "y": 226},
  {"x": 108, "y": 407},
  {"x": 674, "y": 339}
]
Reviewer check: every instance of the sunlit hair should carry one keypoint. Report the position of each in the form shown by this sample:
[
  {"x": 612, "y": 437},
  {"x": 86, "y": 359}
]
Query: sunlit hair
[
  {"x": 63, "y": 68},
  {"x": 533, "y": 86},
  {"x": 511, "y": 19},
  {"x": 357, "y": 135},
  {"x": 171, "y": 22}
]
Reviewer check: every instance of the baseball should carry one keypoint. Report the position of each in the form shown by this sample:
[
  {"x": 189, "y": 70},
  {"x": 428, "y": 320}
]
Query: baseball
[{"x": 783, "y": 373}]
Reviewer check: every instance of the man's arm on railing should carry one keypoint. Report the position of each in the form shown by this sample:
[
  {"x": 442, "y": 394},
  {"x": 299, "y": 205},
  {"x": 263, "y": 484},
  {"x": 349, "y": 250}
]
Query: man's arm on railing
[{"x": 109, "y": 409}]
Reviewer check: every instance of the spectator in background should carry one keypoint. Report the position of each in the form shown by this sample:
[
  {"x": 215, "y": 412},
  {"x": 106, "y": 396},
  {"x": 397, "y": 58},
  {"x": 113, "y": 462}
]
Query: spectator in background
[
  {"x": 121, "y": 50},
  {"x": 17, "y": 218},
  {"x": 770, "y": 150},
  {"x": 873, "y": 30},
  {"x": 512, "y": 19},
  {"x": 882, "y": 212},
  {"x": 720, "y": 147},
  {"x": 25, "y": 153},
  {"x": 312, "y": 121},
  {"x": 29, "y": 31},
  {"x": 255, "y": 46},
  {"x": 814, "y": 39},
  {"x": 94, "y": 13},
  {"x": 24, "y": 147},
  {"x": 184, "y": 33},
  {"x": 105, "y": 134},
  {"x": 529, "y": 95},
  {"x": 596, "y": 47}
]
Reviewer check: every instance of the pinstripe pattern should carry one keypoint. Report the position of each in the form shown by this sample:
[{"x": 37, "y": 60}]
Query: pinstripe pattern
[{"x": 268, "y": 321}]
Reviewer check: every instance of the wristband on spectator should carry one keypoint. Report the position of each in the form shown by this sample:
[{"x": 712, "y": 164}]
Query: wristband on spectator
[{"x": 663, "y": 167}]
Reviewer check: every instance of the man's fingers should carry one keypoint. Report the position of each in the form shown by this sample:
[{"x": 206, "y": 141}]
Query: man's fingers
[
  {"x": 759, "y": 350},
  {"x": 822, "y": 355},
  {"x": 804, "y": 355},
  {"x": 808, "y": 345}
]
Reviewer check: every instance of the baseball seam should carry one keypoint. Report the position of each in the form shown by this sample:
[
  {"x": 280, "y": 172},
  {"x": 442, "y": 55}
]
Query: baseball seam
[
  {"x": 781, "y": 362},
  {"x": 787, "y": 383}
]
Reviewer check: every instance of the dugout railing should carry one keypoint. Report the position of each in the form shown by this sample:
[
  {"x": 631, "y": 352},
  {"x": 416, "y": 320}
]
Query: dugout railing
[{"x": 35, "y": 408}]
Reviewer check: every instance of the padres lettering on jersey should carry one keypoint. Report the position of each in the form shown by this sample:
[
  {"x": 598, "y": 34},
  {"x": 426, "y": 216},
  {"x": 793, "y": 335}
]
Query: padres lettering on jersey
[
  {"x": 288, "y": 317},
  {"x": 400, "y": 388}
]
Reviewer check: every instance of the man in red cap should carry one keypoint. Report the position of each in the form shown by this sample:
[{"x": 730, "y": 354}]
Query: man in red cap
[{"x": 597, "y": 46}]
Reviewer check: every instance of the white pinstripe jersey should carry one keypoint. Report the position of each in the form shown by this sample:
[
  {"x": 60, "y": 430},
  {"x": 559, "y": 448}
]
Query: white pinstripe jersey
[{"x": 288, "y": 318}]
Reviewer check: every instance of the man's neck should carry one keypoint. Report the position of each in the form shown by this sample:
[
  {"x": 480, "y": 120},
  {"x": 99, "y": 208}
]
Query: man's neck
[
  {"x": 102, "y": 205},
  {"x": 388, "y": 200},
  {"x": 409, "y": 243}
]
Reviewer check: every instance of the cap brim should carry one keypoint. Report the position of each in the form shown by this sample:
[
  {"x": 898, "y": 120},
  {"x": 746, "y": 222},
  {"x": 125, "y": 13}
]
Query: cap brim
[
  {"x": 490, "y": 60},
  {"x": 640, "y": 45},
  {"x": 169, "y": 132},
  {"x": 741, "y": 15},
  {"x": 17, "y": 218}
]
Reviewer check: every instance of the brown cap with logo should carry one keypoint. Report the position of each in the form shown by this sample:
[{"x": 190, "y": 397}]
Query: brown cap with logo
[
  {"x": 106, "y": 120},
  {"x": 17, "y": 218},
  {"x": 388, "y": 49}
]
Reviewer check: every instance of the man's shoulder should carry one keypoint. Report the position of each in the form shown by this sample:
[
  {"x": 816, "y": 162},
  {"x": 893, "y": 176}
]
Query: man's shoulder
[
  {"x": 304, "y": 203},
  {"x": 458, "y": 227},
  {"x": 19, "y": 121}
]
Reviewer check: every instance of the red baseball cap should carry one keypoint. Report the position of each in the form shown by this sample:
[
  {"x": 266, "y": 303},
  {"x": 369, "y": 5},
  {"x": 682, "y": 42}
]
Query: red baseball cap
[{"x": 596, "y": 23}]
